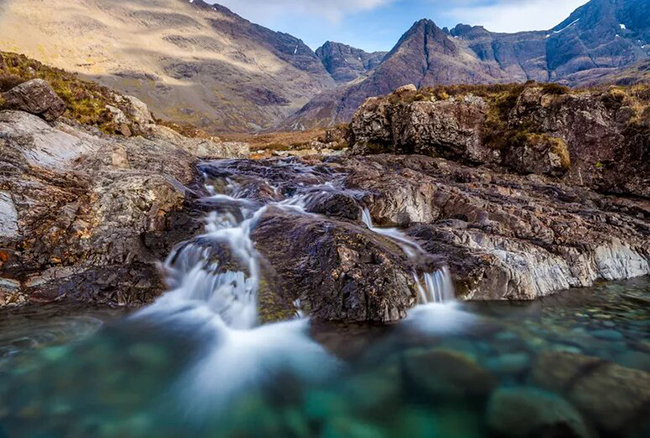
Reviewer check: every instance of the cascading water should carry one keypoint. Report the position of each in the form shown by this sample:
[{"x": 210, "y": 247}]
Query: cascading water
[
  {"x": 224, "y": 299},
  {"x": 434, "y": 287},
  {"x": 215, "y": 280}
]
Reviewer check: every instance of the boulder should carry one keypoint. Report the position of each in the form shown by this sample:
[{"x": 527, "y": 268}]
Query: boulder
[
  {"x": 616, "y": 398},
  {"x": 447, "y": 374},
  {"x": 339, "y": 271},
  {"x": 529, "y": 412},
  {"x": 35, "y": 97}
]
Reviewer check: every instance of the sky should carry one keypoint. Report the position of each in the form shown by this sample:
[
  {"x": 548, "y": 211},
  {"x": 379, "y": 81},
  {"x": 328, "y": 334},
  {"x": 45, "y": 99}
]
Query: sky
[{"x": 378, "y": 24}]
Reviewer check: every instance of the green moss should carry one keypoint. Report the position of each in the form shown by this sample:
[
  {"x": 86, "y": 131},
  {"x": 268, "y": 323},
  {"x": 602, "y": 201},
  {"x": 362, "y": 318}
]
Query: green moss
[
  {"x": 85, "y": 101},
  {"x": 559, "y": 147}
]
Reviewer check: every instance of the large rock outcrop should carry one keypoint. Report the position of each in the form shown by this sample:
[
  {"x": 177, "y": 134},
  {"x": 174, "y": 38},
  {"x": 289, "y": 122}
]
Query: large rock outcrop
[
  {"x": 505, "y": 236},
  {"x": 87, "y": 216},
  {"x": 596, "y": 139}
]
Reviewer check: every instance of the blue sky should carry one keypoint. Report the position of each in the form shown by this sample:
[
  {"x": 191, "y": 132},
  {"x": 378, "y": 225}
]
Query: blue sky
[{"x": 378, "y": 24}]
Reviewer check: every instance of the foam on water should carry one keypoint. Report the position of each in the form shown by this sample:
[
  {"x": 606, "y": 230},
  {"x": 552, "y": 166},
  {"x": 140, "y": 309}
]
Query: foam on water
[
  {"x": 238, "y": 353},
  {"x": 433, "y": 287}
]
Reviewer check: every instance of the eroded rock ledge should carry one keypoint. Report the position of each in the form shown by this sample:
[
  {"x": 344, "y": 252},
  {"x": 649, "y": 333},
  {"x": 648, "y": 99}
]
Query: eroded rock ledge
[
  {"x": 87, "y": 216},
  {"x": 505, "y": 236}
]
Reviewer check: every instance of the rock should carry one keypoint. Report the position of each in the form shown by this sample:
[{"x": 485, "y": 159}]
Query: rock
[
  {"x": 88, "y": 216},
  {"x": 336, "y": 205},
  {"x": 447, "y": 374},
  {"x": 588, "y": 138},
  {"x": 608, "y": 335},
  {"x": 616, "y": 398},
  {"x": 35, "y": 97},
  {"x": 511, "y": 363},
  {"x": 8, "y": 217},
  {"x": 359, "y": 276},
  {"x": 529, "y": 412},
  {"x": 406, "y": 89},
  {"x": 505, "y": 236}
]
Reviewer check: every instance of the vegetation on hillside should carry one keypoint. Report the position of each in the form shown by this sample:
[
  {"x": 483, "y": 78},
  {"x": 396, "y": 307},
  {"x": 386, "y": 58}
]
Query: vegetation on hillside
[{"x": 86, "y": 101}]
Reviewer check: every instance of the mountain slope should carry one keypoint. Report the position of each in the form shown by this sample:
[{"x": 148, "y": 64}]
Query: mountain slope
[
  {"x": 189, "y": 61},
  {"x": 598, "y": 39},
  {"x": 425, "y": 55}
]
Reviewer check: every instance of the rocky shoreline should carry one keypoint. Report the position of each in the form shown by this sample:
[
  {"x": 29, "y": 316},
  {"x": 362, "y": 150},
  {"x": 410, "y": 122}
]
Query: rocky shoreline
[{"x": 87, "y": 216}]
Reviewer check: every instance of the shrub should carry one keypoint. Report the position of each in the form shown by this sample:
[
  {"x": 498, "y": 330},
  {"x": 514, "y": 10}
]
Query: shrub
[{"x": 555, "y": 89}]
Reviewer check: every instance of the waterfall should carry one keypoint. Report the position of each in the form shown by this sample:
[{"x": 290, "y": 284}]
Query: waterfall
[
  {"x": 216, "y": 298},
  {"x": 433, "y": 287}
]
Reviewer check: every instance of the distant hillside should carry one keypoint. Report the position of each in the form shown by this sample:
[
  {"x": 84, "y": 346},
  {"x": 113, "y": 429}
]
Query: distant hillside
[
  {"x": 347, "y": 63},
  {"x": 189, "y": 61},
  {"x": 197, "y": 63}
]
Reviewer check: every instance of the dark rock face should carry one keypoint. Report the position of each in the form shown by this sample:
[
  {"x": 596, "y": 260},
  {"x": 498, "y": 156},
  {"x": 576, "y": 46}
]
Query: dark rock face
[
  {"x": 347, "y": 63},
  {"x": 593, "y": 139},
  {"x": 35, "y": 97},
  {"x": 338, "y": 271}
]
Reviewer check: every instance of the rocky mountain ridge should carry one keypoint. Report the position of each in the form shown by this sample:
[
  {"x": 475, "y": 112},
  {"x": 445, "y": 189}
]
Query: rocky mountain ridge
[
  {"x": 591, "y": 46},
  {"x": 200, "y": 63},
  {"x": 191, "y": 62}
]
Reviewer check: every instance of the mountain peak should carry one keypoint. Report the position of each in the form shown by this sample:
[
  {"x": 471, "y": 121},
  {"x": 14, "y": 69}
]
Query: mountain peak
[
  {"x": 425, "y": 37},
  {"x": 346, "y": 63}
]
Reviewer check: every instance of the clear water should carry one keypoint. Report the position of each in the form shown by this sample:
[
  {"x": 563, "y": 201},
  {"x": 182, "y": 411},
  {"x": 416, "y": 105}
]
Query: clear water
[
  {"x": 198, "y": 362},
  {"x": 102, "y": 374}
]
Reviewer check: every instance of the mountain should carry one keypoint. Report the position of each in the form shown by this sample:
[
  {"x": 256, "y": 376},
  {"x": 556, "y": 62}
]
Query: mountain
[
  {"x": 345, "y": 63},
  {"x": 188, "y": 60},
  {"x": 594, "y": 43},
  {"x": 198, "y": 63}
]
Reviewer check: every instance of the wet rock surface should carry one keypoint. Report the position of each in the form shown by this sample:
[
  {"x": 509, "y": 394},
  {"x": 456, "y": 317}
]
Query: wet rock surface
[
  {"x": 337, "y": 270},
  {"x": 87, "y": 216}
]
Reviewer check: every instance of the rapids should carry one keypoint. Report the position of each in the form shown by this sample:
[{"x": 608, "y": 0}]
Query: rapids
[{"x": 199, "y": 362}]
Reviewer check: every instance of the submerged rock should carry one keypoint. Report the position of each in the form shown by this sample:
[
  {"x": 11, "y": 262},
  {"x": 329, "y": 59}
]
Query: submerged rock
[
  {"x": 529, "y": 412},
  {"x": 447, "y": 374},
  {"x": 616, "y": 398}
]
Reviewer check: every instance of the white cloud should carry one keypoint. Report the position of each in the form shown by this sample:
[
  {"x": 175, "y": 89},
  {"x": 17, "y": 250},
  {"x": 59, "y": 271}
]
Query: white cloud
[
  {"x": 332, "y": 10},
  {"x": 514, "y": 15}
]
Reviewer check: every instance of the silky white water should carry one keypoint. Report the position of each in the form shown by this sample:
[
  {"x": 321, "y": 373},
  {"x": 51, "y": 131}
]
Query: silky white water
[
  {"x": 434, "y": 287},
  {"x": 215, "y": 279}
]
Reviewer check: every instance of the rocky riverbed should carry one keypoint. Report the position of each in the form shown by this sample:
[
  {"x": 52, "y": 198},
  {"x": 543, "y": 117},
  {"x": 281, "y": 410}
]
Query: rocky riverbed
[{"x": 87, "y": 216}]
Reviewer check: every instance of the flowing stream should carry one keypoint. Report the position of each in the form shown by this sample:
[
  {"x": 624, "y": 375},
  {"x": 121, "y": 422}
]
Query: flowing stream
[{"x": 198, "y": 362}]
